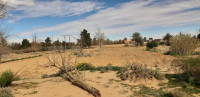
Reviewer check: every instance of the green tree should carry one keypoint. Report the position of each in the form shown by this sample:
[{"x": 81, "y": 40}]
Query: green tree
[
  {"x": 57, "y": 43},
  {"x": 198, "y": 36},
  {"x": 94, "y": 41},
  {"x": 25, "y": 43},
  {"x": 151, "y": 38},
  {"x": 167, "y": 37},
  {"x": 151, "y": 44},
  {"x": 137, "y": 38},
  {"x": 16, "y": 46},
  {"x": 145, "y": 39},
  {"x": 107, "y": 41},
  {"x": 125, "y": 39},
  {"x": 48, "y": 41},
  {"x": 85, "y": 40}
]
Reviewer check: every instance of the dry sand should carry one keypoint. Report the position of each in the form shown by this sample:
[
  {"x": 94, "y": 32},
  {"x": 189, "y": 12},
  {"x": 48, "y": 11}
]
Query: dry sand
[{"x": 32, "y": 85}]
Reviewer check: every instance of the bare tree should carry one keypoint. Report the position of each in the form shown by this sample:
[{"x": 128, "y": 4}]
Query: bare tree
[
  {"x": 3, "y": 42},
  {"x": 100, "y": 38},
  {"x": 3, "y": 33},
  {"x": 63, "y": 61},
  {"x": 34, "y": 44},
  {"x": 34, "y": 38}
]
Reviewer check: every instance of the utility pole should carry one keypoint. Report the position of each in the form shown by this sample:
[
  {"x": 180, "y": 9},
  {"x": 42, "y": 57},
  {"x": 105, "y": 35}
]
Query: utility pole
[
  {"x": 53, "y": 41},
  {"x": 69, "y": 40},
  {"x": 64, "y": 42}
]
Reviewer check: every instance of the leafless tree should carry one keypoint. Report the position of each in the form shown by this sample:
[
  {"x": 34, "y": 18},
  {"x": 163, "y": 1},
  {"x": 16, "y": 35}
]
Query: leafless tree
[
  {"x": 3, "y": 33},
  {"x": 3, "y": 42},
  {"x": 34, "y": 38},
  {"x": 34, "y": 44},
  {"x": 67, "y": 65},
  {"x": 100, "y": 38}
]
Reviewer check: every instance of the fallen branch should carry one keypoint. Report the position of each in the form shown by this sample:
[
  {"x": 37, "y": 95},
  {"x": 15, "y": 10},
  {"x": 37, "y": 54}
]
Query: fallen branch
[
  {"x": 66, "y": 73},
  {"x": 81, "y": 84}
]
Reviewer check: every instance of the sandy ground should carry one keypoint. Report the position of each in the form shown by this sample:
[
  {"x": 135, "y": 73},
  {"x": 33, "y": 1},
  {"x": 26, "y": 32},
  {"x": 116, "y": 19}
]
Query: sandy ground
[
  {"x": 107, "y": 83},
  {"x": 119, "y": 56},
  {"x": 32, "y": 85}
]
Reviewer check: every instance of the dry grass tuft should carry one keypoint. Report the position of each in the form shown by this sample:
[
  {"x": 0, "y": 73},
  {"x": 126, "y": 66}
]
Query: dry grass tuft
[{"x": 139, "y": 71}]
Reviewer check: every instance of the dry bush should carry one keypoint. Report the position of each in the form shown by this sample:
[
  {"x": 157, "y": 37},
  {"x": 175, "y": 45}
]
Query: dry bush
[
  {"x": 189, "y": 69},
  {"x": 139, "y": 71},
  {"x": 5, "y": 92},
  {"x": 183, "y": 44},
  {"x": 176, "y": 93}
]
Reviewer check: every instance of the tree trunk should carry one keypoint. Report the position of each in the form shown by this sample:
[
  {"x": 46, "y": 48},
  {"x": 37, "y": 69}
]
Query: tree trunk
[
  {"x": 76, "y": 81},
  {"x": 0, "y": 57}
]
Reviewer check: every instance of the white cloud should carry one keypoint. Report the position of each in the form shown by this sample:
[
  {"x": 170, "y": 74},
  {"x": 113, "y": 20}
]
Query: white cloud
[
  {"x": 15, "y": 3},
  {"x": 38, "y": 8},
  {"x": 132, "y": 16}
]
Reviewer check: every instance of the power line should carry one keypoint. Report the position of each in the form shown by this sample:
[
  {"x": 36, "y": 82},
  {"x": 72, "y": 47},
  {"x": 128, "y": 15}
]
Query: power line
[{"x": 65, "y": 40}]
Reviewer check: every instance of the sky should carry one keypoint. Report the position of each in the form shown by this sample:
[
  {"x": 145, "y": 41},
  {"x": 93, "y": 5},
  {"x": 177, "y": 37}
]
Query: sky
[{"x": 115, "y": 18}]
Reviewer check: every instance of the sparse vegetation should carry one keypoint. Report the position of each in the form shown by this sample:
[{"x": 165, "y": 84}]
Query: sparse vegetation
[
  {"x": 136, "y": 71},
  {"x": 176, "y": 93},
  {"x": 161, "y": 43},
  {"x": 189, "y": 69},
  {"x": 88, "y": 66},
  {"x": 85, "y": 66},
  {"x": 109, "y": 68},
  {"x": 45, "y": 76},
  {"x": 175, "y": 81},
  {"x": 83, "y": 61},
  {"x": 34, "y": 92},
  {"x": 126, "y": 45},
  {"x": 21, "y": 59},
  {"x": 5, "y": 92},
  {"x": 146, "y": 92}
]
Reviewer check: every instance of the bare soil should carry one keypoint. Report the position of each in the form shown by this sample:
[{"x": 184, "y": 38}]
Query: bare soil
[{"x": 32, "y": 84}]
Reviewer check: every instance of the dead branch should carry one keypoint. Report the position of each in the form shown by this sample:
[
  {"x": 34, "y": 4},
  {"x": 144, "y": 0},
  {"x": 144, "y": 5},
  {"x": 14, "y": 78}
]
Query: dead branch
[{"x": 66, "y": 69}]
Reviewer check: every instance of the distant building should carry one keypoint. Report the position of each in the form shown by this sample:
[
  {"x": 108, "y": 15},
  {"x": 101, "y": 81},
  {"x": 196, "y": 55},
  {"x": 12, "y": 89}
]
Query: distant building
[
  {"x": 128, "y": 41},
  {"x": 159, "y": 40}
]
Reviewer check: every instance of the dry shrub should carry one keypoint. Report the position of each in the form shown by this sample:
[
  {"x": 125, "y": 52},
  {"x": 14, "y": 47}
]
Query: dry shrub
[
  {"x": 5, "y": 92},
  {"x": 183, "y": 44},
  {"x": 189, "y": 69},
  {"x": 139, "y": 71},
  {"x": 176, "y": 93}
]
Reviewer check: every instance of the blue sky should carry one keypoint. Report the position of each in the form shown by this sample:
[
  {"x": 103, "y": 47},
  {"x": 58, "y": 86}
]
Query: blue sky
[{"x": 116, "y": 18}]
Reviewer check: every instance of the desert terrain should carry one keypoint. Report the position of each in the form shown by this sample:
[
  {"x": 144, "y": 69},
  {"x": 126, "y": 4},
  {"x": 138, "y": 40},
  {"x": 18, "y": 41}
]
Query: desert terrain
[{"x": 32, "y": 84}]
